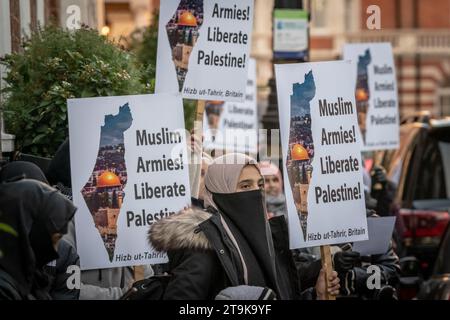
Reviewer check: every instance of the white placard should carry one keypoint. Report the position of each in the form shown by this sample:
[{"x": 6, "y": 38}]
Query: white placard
[
  {"x": 232, "y": 126},
  {"x": 380, "y": 235},
  {"x": 204, "y": 48},
  {"x": 129, "y": 169},
  {"x": 321, "y": 154},
  {"x": 375, "y": 93}
]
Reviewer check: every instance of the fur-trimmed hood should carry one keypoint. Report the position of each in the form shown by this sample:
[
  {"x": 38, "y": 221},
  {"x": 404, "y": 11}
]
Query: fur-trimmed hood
[{"x": 180, "y": 231}]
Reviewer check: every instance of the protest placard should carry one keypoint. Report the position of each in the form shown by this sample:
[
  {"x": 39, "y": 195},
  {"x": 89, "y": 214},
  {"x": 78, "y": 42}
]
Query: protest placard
[
  {"x": 380, "y": 236},
  {"x": 321, "y": 153},
  {"x": 375, "y": 93},
  {"x": 129, "y": 169},
  {"x": 203, "y": 48},
  {"x": 232, "y": 126}
]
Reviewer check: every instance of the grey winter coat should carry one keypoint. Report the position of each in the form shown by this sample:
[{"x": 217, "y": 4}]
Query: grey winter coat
[{"x": 104, "y": 284}]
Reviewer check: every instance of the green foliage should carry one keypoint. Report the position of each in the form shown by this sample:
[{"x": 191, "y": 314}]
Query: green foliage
[
  {"x": 189, "y": 113},
  {"x": 56, "y": 65},
  {"x": 144, "y": 43},
  {"x": 8, "y": 229}
]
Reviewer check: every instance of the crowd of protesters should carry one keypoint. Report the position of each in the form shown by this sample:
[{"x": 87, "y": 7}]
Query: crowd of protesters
[{"x": 231, "y": 244}]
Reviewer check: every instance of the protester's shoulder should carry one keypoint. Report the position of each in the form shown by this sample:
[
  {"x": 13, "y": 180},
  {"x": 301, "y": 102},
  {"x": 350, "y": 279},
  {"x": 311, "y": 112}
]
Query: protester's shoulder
[
  {"x": 180, "y": 231},
  {"x": 22, "y": 184},
  {"x": 8, "y": 289},
  {"x": 67, "y": 255},
  {"x": 278, "y": 226},
  {"x": 28, "y": 188}
]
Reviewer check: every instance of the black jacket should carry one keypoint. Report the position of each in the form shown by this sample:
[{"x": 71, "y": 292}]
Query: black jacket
[
  {"x": 32, "y": 212},
  {"x": 202, "y": 260},
  {"x": 353, "y": 282},
  {"x": 385, "y": 198},
  {"x": 58, "y": 272},
  {"x": 9, "y": 288}
]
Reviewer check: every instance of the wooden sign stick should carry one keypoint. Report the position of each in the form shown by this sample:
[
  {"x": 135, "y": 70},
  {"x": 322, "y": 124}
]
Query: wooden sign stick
[
  {"x": 196, "y": 160},
  {"x": 325, "y": 254}
]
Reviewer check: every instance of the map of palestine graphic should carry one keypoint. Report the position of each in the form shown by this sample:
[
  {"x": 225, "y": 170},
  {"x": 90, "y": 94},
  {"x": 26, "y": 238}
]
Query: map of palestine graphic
[
  {"x": 103, "y": 192},
  {"x": 362, "y": 93},
  {"x": 183, "y": 32},
  {"x": 301, "y": 146}
]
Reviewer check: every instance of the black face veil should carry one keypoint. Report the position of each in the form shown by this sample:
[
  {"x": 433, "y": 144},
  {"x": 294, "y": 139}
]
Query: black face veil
[{"x": 246, "y": 211}]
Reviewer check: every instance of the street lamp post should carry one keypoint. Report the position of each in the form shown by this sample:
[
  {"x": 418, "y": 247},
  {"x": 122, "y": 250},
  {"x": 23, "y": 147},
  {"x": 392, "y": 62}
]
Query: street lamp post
[{"x": 271, "y": 119}]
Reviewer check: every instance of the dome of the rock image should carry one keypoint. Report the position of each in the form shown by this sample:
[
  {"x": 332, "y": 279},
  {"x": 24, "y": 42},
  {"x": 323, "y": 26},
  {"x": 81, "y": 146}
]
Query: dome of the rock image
[
  {"x": 215, "y": 102},
  {"x": 361, "y": 95},
  {"x": 187, "y": 19},
  {"x": 108, "y": 179},
  {"x": 298, "y": 152}
]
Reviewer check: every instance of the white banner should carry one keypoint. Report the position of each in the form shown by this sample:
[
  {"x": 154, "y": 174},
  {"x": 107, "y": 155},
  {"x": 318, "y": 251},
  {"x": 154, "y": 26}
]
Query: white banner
[
  {"x": 129, "y": 169},
  {"x": 232, "y": 126},
  {"x": 203, "y": 48},
  {"x": 375, "y": 93},
  {"x": 321, "y": 154}
]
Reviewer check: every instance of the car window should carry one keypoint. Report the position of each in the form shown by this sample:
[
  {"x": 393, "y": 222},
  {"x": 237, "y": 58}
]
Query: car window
[
  {"x": 445, "y": 154},
  {"x": 443, "y": 259},
  {"x": 394, "y": 159},
  {"x": 408, "y": 170},
  {"x": 431, "y": 179}
]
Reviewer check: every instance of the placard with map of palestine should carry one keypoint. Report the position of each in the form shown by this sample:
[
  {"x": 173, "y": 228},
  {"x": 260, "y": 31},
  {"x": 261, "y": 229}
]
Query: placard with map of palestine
[
  {"x": 204, "y": 48},
  {"x": 233, "y": 126},
  {"x": 375, "y": 94},
  {"x": 129, "y": 169},
  {"x": 321, "y": 154}
]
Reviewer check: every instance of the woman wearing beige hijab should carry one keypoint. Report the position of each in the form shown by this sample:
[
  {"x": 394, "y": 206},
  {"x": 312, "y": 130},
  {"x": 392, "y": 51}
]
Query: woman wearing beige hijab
[{"x": 231, "y": 243}]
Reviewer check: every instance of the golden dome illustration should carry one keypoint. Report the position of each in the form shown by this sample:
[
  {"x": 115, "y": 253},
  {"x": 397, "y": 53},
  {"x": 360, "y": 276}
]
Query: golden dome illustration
[
  {"x": 108, "y": 179},
  {"x": 214, "y": 102},
  {"x": 361, "y": 95},
  {"x": 298, "y": 152},
  {"x": 187, "y": 19}
]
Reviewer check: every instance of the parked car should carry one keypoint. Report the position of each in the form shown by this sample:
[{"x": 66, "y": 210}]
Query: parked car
[
  {"x": 420, "y": 168},
  {"x": 438, "y": 286},
  {"x": 423, "y": 116}
]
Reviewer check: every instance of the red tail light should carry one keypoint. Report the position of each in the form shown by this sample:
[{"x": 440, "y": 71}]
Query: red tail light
[{"x": 420, "y": 223}]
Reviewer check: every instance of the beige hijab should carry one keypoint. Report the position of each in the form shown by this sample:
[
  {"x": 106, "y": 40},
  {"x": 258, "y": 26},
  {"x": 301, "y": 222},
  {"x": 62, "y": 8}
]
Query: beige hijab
[{"x": 223, "y": 175}]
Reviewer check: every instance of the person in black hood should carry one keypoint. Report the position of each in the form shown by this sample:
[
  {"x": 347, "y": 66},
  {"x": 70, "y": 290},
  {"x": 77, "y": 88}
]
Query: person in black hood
[
  {"x": 56, "y": 270},
  {"x": 58, "y": 172},
  {"x": 96, "y": 284},
  {"x": 33, "y": 217},
  {"x": 383, "y": 191},
  {"x": 23, "y": 169},
  {"x": 232, "y": 243},
  {"x": 352, "y": 270}
]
